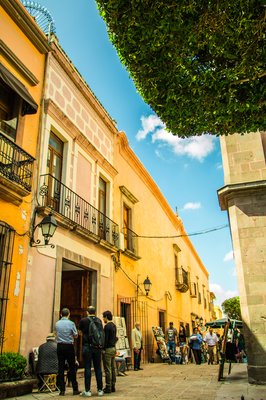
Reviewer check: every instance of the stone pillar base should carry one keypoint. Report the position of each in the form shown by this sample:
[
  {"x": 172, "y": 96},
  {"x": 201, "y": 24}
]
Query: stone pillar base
[{"x": 257, "y": 375}]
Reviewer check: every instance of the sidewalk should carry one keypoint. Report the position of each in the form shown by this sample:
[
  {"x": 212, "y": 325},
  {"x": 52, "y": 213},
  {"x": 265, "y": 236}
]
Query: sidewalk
[{"x": 170, "y": 382}]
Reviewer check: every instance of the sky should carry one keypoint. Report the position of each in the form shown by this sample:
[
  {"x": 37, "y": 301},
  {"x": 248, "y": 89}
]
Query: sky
[{"x": 188, "y": 171}]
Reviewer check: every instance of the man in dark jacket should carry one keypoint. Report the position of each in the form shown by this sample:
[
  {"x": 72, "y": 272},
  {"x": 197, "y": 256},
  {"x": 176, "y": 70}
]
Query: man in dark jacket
[
  {"x": 90, "y": 353},
  {"x": 47, "y": 358},
  {"x": 109, "y": 352}
]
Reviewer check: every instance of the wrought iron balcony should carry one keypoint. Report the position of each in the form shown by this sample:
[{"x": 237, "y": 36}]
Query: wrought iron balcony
[
  {"x": 71, "y": 206},
  {"x": 182, "y": 281},
  {"x": 15, "y": 164}
]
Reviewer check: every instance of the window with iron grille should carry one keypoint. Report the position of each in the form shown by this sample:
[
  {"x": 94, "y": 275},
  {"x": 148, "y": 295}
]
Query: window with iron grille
[{"x": 6, "y": 250}]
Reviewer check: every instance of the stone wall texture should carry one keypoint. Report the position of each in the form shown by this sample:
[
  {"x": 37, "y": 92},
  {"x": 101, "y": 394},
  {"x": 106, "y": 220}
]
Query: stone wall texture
[{"x": 244, "y": 166}]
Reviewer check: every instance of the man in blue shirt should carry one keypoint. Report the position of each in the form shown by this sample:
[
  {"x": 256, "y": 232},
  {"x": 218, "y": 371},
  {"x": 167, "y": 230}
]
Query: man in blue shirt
[{"x": 66, "y": 331}]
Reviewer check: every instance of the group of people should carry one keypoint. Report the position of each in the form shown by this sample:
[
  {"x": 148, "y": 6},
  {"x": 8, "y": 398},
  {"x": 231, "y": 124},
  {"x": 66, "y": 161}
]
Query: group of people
[
  {"x": 98, "y": 346},
  {"x": 178, "y": 345}
]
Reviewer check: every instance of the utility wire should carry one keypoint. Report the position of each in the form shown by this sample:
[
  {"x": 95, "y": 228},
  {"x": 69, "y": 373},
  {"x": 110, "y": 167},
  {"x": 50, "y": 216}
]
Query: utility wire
[{"x": 217, "y": 228}]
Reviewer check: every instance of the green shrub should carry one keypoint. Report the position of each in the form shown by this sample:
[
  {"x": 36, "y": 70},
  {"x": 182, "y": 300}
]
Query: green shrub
[{"x": 12, "y": 366}]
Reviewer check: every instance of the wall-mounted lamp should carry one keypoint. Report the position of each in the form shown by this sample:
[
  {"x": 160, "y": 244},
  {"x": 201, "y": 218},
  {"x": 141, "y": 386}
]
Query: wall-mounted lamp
[
  {"x": 48, "y": 226},
  {"x": 147, "y": 285},
  {"x": 116, "y": 260}
]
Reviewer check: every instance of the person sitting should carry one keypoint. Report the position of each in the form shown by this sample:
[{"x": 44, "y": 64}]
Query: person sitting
[
  {"x": 120, "y": 363},
  {"x": 47, "y": 363}
]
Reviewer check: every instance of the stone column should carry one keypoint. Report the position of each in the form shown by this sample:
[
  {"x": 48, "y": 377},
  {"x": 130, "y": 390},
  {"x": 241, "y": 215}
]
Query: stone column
[{"x": 244, "y": 197}]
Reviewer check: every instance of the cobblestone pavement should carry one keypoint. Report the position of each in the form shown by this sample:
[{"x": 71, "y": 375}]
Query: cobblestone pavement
[{"x": 170, "y": 382}]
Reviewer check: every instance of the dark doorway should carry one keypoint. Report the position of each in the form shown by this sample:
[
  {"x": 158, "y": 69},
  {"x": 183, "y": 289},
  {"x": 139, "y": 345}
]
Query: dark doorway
[{"x": 76, "y": 295}]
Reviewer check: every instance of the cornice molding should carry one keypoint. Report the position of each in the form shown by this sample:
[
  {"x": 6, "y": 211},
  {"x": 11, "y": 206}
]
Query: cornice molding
[
  {"x": 131, "y": 158},
  {"x": 26, "y": 23},
  {"x": 232, "y": 191},
  {"x": 18, "y": 64},
  {"x": 71, "y": 71},
  {"x": 128, "y": 194},
  {"x": 54, "y": 111}
]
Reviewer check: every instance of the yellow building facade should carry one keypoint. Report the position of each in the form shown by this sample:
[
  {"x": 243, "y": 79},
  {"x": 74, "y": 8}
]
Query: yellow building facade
[
  {"x": 153, "y": 244},
  {"x": 22, "y": 62}
]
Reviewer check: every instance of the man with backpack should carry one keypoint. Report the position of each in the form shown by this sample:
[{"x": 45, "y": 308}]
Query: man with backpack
[
  {"x": 109, "y": 352},
  {"x": 91, "y": 328}
]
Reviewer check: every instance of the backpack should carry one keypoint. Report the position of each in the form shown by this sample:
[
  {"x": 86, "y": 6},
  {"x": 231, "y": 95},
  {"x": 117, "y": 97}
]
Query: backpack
[{"x": 96, "y": 334}]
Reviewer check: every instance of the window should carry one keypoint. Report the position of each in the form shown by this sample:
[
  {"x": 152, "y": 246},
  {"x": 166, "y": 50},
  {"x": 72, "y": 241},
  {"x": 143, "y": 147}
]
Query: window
[
  {"x": 185, "y": 277},
  {"x": 102, "y": 207},
  {"x": 162, "y": 320},
  {"x": 15, "y": 101},
  {"x": 6, "y": 249},
  {"x": 127, "y": 228},
  {"x": 9, "y": 111},
  {"x": 54, "y": 170}
]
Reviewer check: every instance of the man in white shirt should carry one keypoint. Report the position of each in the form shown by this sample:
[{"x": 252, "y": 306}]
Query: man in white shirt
[
  {"x": 137, "y": 344},
  {"x": 211, "y": 341}
]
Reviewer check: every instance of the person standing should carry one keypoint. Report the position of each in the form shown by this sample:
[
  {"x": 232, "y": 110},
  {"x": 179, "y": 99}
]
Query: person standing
[
  {"x": 109, "y": 352},
  {"x": 211, "y": 341},
  {"x": 182, "y": 341},
  {"x": 66, "y": 332},
  {"x": 195, "y": 342},
  {"x": 91, "y": 353},
  {"x": 171, "y": 336},
  {"x": 137, "y": 344}
]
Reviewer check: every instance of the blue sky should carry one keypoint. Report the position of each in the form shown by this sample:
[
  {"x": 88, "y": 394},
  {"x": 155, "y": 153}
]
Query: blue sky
[{"x": 188, "y": 171}]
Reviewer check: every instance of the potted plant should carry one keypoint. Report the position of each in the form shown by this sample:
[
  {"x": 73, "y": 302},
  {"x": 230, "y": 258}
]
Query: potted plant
[{"x": 13, "y": 381}]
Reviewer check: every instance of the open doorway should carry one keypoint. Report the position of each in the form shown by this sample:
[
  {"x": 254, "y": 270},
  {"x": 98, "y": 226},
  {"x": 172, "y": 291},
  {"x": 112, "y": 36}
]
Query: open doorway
[{"x": 76, "y": 294}]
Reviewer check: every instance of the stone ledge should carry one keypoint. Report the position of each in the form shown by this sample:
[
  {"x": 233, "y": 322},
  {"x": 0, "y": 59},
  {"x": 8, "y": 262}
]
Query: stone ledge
[{"x": 16, "y": 388}]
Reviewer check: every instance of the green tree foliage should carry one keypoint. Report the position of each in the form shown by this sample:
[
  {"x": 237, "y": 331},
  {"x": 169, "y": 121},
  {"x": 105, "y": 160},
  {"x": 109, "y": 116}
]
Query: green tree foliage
[
  {"x": 231, "y": 307},
  {"x": 200, "y": 64}
]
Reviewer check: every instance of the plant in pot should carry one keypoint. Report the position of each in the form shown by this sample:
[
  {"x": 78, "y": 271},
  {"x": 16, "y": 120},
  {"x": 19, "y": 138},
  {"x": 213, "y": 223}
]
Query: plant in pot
[{"x": 12, "y": 375}]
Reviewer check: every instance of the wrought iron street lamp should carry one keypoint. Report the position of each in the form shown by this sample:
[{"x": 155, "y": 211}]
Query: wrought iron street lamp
[
  {"x": 48, "y": 227},
  {"x": 147, "y": 285}
]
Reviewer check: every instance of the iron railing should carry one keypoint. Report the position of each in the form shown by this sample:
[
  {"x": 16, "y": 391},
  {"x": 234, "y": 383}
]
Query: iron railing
[
  {"x": 7, "y": 235},
  {"x": 15, "y": 163},
  {"x": 62, "y": 199}
]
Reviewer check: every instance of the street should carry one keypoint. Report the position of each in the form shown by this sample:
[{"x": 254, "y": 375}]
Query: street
[{"x": 169, "y": 382}]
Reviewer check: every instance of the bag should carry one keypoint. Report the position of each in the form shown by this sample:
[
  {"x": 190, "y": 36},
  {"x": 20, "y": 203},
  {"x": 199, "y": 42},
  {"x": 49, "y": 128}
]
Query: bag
[{"x": 96, "y": 334}]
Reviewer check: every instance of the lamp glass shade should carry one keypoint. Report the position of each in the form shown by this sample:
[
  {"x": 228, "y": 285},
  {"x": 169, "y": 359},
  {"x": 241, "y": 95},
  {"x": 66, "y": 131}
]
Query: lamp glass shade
[
  {"x": 48, "y": 226},
  {"x": 147, "y": 284}
]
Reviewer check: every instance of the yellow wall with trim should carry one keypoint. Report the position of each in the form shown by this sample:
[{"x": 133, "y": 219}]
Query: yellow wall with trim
[
  {"x": 19, "y": 217},
  {"x": 152, "y": 216}
]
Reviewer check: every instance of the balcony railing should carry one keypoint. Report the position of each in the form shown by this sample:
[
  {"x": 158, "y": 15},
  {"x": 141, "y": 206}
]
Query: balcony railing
[
  {"x": 15, "y": 164},
  {"x": 182, "y": 281},
  {"x": 70, "y": 205}
]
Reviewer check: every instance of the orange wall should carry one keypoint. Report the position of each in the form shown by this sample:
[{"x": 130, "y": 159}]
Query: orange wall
[{"x": 19, "y": 216}]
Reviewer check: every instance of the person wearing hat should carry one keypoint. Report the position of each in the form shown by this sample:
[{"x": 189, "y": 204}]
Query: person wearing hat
[{"x": 47, "y": 358}]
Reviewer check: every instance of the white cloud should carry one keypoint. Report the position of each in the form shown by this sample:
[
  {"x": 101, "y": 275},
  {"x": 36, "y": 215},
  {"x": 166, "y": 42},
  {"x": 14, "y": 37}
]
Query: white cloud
[
  {"x": 149, "y": 124},
  {"x": 229, "y": 256},
  {"x": 221, "y": 293},
  {"x": 197, "y": 147},
  {"x": 191, "y": 206}
]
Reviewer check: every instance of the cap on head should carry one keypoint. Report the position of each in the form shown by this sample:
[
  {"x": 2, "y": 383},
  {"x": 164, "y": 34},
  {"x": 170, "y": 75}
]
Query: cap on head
[{"x": 51, "y": 336}]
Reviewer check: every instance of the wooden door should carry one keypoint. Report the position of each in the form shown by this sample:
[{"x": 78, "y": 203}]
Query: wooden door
[{"x": 76, "y": 295}]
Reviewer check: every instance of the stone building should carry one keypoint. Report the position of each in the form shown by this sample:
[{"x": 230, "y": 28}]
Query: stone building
[{"x": 244, "y": 198}]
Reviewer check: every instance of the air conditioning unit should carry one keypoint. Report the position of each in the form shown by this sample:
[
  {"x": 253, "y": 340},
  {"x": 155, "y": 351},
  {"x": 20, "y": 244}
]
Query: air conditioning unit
[{"x": 121, "y": 244}]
